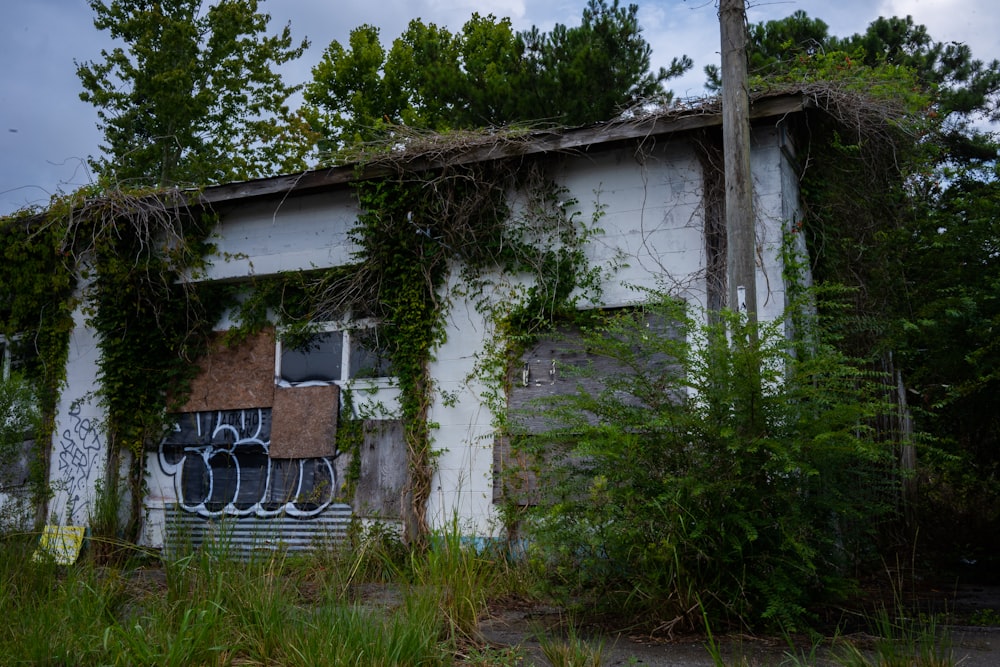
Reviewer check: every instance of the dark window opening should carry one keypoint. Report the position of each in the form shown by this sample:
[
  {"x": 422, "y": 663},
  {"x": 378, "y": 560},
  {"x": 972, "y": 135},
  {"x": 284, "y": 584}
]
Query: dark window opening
[
  {"x": 318, "y": 358},
  {"x": 369, "y": 356},
  {"x": 17, "y": 355}
]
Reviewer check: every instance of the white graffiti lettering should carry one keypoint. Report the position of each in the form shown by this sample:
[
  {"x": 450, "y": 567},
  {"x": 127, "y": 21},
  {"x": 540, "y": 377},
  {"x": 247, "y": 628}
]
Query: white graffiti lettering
[{"x": 221, "y": 465}]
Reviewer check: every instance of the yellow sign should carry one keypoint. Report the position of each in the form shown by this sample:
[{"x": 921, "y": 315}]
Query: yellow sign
[{"x": 61, "y": 543}]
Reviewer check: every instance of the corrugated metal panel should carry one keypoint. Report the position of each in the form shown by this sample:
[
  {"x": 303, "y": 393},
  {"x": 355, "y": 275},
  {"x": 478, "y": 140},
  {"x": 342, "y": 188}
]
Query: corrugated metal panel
[{"x": 242, "y": 537}]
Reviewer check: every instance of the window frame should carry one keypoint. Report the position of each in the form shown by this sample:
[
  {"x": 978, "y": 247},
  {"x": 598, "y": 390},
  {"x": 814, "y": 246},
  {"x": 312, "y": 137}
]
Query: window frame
[
  {"x": 8, "y": 362},
  {"x": 346, "y": 329}
]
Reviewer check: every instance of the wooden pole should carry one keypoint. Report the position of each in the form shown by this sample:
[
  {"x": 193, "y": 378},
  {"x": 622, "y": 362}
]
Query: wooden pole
[{"x": 741, "y": 239}]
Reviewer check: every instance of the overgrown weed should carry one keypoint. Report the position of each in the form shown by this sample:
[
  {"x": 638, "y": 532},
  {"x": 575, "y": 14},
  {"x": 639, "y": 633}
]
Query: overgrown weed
[
  {"x": 571, "y": 650},
  {"x": 898, "y": 641},
  {"x": 211, "y": 607}
]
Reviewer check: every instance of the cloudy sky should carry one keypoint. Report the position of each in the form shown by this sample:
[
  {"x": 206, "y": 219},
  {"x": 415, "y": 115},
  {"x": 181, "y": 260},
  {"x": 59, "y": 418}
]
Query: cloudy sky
[{"x": 47, "y": 133}]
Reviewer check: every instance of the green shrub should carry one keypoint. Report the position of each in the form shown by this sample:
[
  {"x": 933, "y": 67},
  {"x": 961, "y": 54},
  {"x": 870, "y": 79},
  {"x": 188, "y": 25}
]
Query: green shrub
[{"x": 719, "y": 463}]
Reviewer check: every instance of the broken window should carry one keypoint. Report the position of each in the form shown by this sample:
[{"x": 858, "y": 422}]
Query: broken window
[
  {"x": 369, "y": 355},
  {"x": 19, "y": 416}
]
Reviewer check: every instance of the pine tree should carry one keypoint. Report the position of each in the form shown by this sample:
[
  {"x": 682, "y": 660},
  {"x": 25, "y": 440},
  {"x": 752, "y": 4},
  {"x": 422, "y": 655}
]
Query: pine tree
[{"x": 485, "y": 75}]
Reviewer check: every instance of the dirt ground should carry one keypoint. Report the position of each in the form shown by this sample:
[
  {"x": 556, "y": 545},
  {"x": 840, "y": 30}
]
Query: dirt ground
[{"x": 971, "y": 646}]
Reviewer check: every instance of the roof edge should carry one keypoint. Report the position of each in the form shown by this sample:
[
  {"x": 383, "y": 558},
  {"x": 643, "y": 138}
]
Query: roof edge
[{"x": 534, "y": 143}]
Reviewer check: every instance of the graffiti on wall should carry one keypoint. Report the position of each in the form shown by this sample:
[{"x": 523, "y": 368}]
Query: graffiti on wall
[
  {"x": 220, "y": 464},
  {"x": 78, "y": 461}
]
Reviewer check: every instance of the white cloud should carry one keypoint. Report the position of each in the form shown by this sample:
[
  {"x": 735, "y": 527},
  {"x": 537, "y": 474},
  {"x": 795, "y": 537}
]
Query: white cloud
[{"x": 515, "y": 9}]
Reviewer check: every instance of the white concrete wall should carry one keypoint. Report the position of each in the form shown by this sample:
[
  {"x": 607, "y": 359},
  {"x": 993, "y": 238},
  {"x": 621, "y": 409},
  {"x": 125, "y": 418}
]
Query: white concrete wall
[
  {"x": 462, "y": 488},
  {"x": 649, "y": 207},
  {"x": 770, "y": 185},
  {"x": 79, "y": 447},
  {"x": 269, "y": 237}
]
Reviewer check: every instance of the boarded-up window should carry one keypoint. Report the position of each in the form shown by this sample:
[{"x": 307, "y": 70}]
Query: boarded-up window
[
  {"x": 305, "y": 422},
  {"x": 222, "y": 464},
  {"x": 551, "y": 367},
  {"x": 560, "y": 364},
  {"x": 234, "y": 378},
  {"x": 383, "y": 470},
  {"x": 242, "y": 378}
]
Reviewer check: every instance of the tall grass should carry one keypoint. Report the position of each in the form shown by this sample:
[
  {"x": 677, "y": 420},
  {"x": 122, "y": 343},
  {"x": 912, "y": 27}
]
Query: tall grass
[
  {"x": 454, "y": 574},
  {"x": 899, "y": 641},
  {"x": 206, "y": 607},
  {"x": 53, "y": 615}
]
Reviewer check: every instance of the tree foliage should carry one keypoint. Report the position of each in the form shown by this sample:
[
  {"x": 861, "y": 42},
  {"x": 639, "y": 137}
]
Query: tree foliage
[
  {"x": 946, "y": 337},
  {"x": 909, "y": 219},
  {"x": 963, "y": 85},
  {"x": 191, "y": 96},
  {"x": 484, "y": 75},
  {"x": 591, "y": 72}
]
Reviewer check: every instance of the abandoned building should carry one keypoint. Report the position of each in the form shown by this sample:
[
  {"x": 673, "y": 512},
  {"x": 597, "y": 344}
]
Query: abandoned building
[{"x": 256, "y": 442}]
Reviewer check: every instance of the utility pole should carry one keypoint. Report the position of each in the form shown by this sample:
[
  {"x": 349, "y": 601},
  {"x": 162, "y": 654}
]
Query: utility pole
[{"x": 740, "y": 233}]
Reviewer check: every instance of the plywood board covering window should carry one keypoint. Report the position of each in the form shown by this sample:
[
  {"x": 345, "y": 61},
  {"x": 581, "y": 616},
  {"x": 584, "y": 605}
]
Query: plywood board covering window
[
  {"x": 304, "y": 422},
  {"x": 559, "y": 365},
  {"x": 383, "y": 469},
  {"x": 234, "y": 378}
]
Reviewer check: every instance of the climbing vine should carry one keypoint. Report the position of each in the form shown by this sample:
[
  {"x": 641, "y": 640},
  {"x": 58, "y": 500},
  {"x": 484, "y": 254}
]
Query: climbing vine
[
  {"x": 412, "y": 232},
  {"x": 127, "y": 259},
  {"x": 153, "y": 322},
  {"x": 37, "y": 281}
]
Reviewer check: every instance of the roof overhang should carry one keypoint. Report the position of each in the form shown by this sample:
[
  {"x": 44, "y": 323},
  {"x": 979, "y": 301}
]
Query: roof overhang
[{"x": 584, "y": 139}]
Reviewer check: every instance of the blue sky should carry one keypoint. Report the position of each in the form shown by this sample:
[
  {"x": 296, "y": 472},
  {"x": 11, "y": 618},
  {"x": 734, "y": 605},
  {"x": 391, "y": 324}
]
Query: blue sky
[{"x": 47, "y": 133}]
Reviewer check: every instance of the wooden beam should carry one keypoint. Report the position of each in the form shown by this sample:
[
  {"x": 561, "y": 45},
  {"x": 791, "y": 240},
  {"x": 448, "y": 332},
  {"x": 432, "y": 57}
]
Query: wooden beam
[{"x": 741, "y": 240}]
